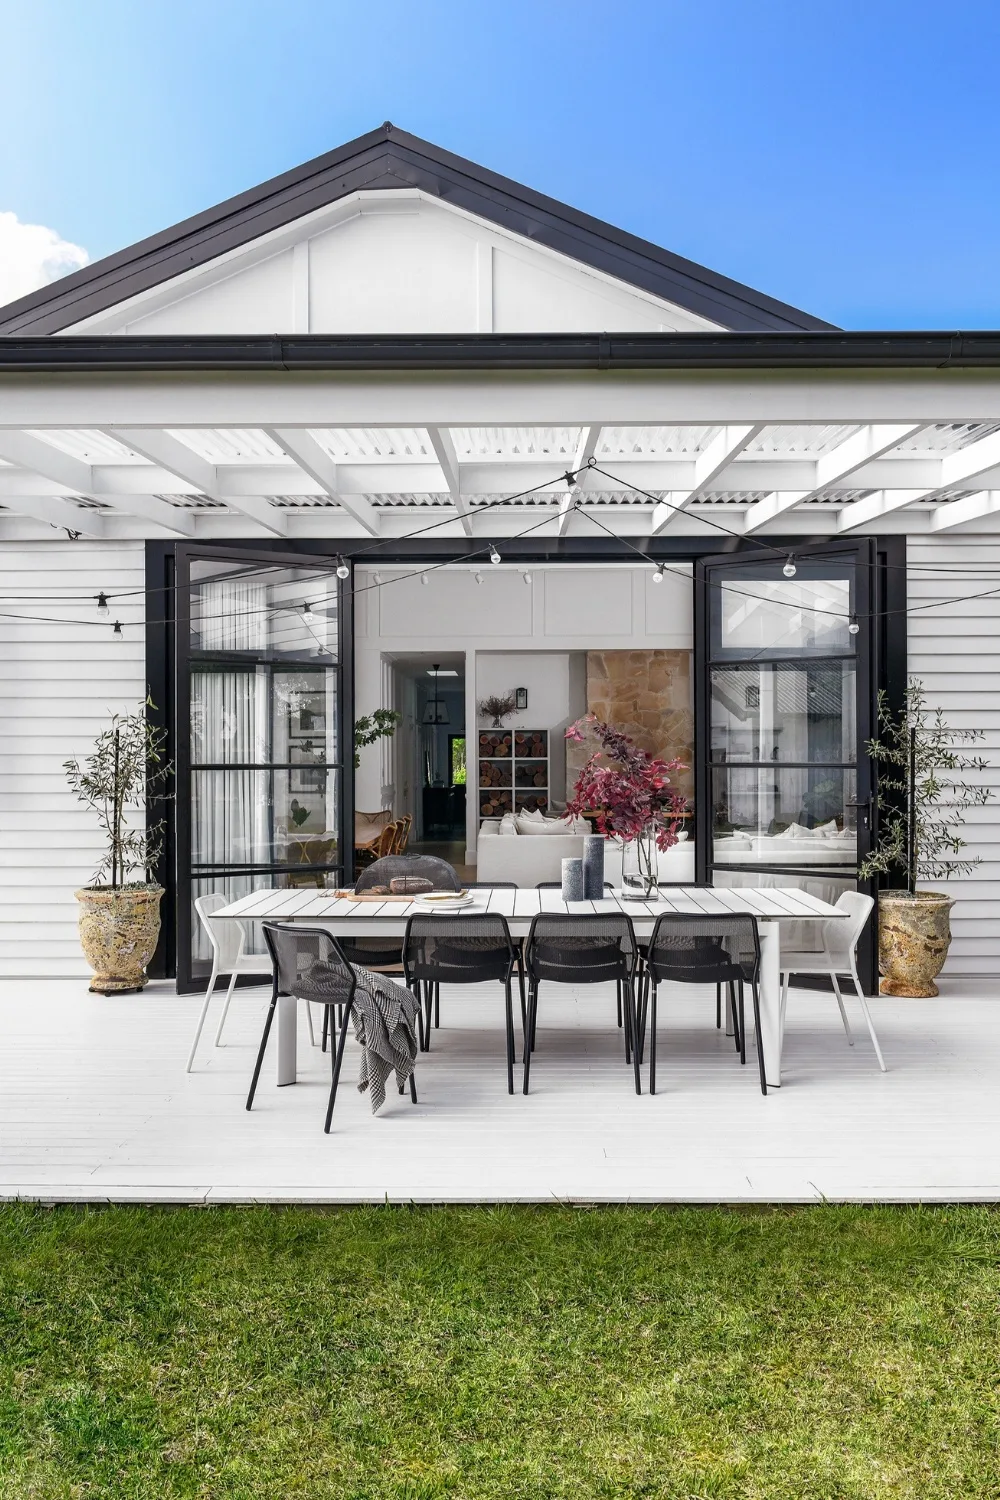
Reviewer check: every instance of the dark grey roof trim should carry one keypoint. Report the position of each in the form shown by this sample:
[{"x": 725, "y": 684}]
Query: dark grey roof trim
[
  {"x": 498, "y": 351},
  {"x": 390, "y": 158}
]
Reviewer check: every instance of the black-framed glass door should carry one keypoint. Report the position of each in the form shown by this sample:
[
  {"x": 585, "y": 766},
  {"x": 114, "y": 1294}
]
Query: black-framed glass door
[
  {"x": 260, "y": 702},
  {"x": 784, "y": 688}
]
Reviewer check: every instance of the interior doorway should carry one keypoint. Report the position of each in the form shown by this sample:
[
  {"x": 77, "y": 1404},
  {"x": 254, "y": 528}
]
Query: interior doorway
[{"x": 430, "y": 753}]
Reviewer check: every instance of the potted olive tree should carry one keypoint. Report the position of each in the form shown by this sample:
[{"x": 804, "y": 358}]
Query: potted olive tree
[
  {"x": 120, "y": 911},
  {"x": 920, "y": 805}
]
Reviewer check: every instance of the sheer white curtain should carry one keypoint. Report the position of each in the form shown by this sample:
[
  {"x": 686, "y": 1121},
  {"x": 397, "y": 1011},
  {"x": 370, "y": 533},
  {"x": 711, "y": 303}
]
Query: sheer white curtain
[
  {"x": 230, "y": 810},
  {"x": 232, "y": 614}
]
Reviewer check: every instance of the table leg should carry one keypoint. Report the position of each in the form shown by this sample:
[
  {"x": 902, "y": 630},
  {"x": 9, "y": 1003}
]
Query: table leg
[
  {"x": 287, "y": 1020},
  {"x": 770, "y": 1001}
]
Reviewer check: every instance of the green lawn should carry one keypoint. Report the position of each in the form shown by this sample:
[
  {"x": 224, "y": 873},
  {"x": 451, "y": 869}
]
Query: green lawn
[{"x": 388, "y": 1352}]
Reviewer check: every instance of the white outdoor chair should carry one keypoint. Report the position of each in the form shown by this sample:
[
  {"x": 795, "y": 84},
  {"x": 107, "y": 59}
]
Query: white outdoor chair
[
  {"x": 839, "y": 955},
  {"x": 229, "y": 941}
]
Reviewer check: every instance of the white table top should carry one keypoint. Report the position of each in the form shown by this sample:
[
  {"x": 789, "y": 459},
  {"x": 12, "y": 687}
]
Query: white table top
[{"x": 302, "y": 905}]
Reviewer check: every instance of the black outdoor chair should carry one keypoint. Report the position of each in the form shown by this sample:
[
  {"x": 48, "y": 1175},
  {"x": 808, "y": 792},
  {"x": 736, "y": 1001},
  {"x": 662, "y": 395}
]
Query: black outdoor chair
[
  {"x": 723, "y": 950},
  {"x": 309, "y": 964},
  {"x": 440, "y": 949},
  {"x": 386, "y": 954},
  {"x": 582, "y": 950},
  {"x": 556, "y": 885}
]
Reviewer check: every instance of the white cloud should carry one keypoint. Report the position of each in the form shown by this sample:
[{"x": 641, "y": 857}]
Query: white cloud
[{"x": 31, "y": 256}]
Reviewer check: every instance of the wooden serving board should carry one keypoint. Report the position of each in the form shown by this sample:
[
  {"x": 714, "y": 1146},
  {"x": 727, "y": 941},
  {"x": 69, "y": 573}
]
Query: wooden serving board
[{"x": 374, "y": 896}]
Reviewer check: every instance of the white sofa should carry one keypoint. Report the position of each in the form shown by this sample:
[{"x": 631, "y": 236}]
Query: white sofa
[{"x": 529, "y": 859}]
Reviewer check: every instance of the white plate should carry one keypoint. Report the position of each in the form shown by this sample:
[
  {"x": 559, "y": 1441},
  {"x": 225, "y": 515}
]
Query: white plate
[{"x": 440, "y": 902}]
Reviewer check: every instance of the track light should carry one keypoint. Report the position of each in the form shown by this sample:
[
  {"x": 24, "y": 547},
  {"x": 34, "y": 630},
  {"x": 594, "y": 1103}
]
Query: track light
[
  {"x": 526, "y": 577},
  {"x": 343, "y": 569},
  {"x": 425, "y": 579},
  {"x": 658, "y": 575},
  {"x": 478, "y": 577},
  {"x": 102, "y": 604},
  {"x": 853, "y": 627},
  {"x": 307, "y": 614},
  {"x": 789, "y": 569},
  {"x": 377, "y": 580},
  {"x": 494, "y": 555}
]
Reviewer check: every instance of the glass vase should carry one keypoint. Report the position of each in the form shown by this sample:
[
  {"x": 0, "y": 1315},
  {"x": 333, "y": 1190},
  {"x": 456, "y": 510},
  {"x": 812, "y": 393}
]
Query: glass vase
[{"x": 639, "y": 869}]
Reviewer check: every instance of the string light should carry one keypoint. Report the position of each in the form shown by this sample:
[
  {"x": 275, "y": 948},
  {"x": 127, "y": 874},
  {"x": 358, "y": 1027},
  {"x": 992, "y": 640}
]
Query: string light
[
  {"x": 118, "y": 627},
  {"x": 102, "y": 604},
  {"x": 570, "y": 477},
  {"x": 343, "y": 568},
  {"x": 495, "y": 557},
  {"x": 789, "y": 569},
  {"x": 854, "y": 627},
  {"x": 308, "y": 615},
  {"x": 658, "y": 575}
]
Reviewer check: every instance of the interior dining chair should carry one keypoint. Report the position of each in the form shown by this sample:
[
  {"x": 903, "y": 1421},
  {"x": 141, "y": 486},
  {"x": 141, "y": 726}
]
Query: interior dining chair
[
  {"x": 385, "y": 955},
  {"x": 838, "y": 958},
  {"x": 228, "y": 941},
  {"x": 703, "y": 949},
  {"x": 582, "y": 950}
]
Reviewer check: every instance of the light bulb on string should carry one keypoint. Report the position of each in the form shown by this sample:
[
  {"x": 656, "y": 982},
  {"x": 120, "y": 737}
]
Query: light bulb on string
[
  {"x": 102, "y": 603},
  {"x": 307, "y": 614},
  {"x": 343, "y": 568},
  {"x": 790, "y": 569},
  {"x": 853, "y": 627},
  {"x": 118, "y": 627},
  {"x": 495, "y": 557},
  {"x": 658, "y": 576}
]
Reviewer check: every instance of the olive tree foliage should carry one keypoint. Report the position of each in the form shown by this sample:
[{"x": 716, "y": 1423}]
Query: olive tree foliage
[
  {"x": 921, "y": 800},
  {"x": 119, "y": 779}
]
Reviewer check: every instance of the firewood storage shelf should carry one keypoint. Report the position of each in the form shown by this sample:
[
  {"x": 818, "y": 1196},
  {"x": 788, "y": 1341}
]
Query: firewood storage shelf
[{"x": 513, "y": 771}]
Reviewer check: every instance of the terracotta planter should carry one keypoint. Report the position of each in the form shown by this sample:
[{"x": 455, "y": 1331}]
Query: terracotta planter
[
  {"x": 118, "y": 932},
  {"x": 913, "y": 942}
]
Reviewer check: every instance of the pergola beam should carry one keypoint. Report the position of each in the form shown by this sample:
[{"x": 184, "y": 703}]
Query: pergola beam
[
  {"x": 56, "y": 511},
  {"x": 709, "y": 464},
  {"x": 163, "y": 449},
  {"x": 872, "y": 507},
  {"x": 444, "y": 452},
  {"x": 969, "y": 508},
  {"x": 314, "y": 460},
  {"x": 861, "y": 448}
]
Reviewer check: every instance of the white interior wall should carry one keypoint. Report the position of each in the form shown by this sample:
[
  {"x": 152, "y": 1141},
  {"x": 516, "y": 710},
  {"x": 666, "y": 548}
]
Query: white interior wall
[
  {"x": 557, "y": 697},
  {"x": 954, "y": 649},
  {"x": 60, "y": 679},
  {"x": 563, "y": 609}
]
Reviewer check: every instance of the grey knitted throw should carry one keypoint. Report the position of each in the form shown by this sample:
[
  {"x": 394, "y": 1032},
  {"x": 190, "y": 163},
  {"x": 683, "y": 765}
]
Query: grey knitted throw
[{"x": 385, "y": 1024}]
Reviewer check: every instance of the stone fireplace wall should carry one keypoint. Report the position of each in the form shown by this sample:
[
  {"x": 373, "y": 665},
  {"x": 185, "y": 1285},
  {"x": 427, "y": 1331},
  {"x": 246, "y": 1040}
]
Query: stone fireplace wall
[{"x": 648, "y": 694}]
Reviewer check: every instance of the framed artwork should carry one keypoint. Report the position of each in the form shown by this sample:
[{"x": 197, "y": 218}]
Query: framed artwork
[{"x": 520, "y": 699}]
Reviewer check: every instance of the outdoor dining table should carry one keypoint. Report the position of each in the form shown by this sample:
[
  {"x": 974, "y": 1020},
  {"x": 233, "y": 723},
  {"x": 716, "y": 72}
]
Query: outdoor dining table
[{"x": 346, "y": 918}]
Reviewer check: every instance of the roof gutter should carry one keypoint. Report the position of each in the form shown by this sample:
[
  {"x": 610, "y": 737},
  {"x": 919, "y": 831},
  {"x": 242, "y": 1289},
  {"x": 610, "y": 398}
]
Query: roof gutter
[{"x": 56, "y": 354}]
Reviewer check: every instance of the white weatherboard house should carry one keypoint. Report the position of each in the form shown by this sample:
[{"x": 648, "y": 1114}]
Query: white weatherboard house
[{"x": 395, "y": 357}]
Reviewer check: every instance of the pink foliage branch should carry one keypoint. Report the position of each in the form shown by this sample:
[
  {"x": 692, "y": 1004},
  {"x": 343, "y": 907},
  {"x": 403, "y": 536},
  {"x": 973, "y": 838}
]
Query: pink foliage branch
[{"x": 634, "y": 794}]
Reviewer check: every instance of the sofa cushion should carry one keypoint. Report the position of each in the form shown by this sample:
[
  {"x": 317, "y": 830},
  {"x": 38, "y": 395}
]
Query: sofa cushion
[{"x": 526, "y": 824}]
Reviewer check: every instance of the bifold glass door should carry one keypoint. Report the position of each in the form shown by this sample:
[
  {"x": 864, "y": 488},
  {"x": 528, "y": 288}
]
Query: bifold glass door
[
  {"x": 783, "y": 793},
  {"x": 260, "y": 769}
]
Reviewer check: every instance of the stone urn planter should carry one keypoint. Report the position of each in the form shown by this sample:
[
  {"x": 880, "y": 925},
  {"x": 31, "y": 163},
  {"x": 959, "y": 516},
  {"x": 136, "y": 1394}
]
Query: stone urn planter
[
  {"x": 913, "y": 942},
  {"x": 118, "y": 932}
]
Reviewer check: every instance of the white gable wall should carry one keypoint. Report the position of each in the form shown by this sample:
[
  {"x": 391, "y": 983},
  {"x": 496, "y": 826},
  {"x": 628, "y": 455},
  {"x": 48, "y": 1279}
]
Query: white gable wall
[{"x": 391, "y": 262}]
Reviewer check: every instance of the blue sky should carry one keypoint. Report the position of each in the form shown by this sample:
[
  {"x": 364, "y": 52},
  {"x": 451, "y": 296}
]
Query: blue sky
[{"x": 842, "y": 156}]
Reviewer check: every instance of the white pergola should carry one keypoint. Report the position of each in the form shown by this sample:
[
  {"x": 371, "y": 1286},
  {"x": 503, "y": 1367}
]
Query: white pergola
[{"x": 328, "y": 453}]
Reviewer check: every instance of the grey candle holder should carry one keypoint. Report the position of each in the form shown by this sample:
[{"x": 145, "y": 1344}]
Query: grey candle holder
[
  {"x": 593, "y": 866},
  {"x": 572, "y": 880}
]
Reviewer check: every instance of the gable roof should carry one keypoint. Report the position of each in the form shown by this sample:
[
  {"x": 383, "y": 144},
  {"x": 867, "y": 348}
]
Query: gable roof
[{"x": 389, "y": 158}]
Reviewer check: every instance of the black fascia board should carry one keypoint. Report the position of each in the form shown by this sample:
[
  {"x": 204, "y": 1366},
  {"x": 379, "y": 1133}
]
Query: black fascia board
[
  {"x": 490, "y": 352},
  {"x": 389, "y": 158}
]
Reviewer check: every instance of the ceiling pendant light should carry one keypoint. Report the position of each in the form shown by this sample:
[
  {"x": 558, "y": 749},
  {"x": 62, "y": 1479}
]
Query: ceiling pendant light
[
  {"x": 495, "y": 557},
  {"x": 435, "y": 711},
  {"x": 790, "y": 569},
  {"x": 102, "y": 604},
  {"x": 343, "y": 568}
]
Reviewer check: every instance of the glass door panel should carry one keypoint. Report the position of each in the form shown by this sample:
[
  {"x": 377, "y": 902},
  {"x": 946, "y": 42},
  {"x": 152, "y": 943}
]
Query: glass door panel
[
  {"x": 782, "y": 723},
  {"x": 260, "y": 676}
]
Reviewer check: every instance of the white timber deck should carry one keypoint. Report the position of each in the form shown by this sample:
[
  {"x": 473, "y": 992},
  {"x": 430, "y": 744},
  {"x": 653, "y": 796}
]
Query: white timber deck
[{"x": 95, "y": 1105}]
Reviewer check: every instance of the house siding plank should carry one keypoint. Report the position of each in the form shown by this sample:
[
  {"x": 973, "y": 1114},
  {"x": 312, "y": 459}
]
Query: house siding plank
[
  {"x": 59, "y": 682},
  {"x": 954, "y": 650}
]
